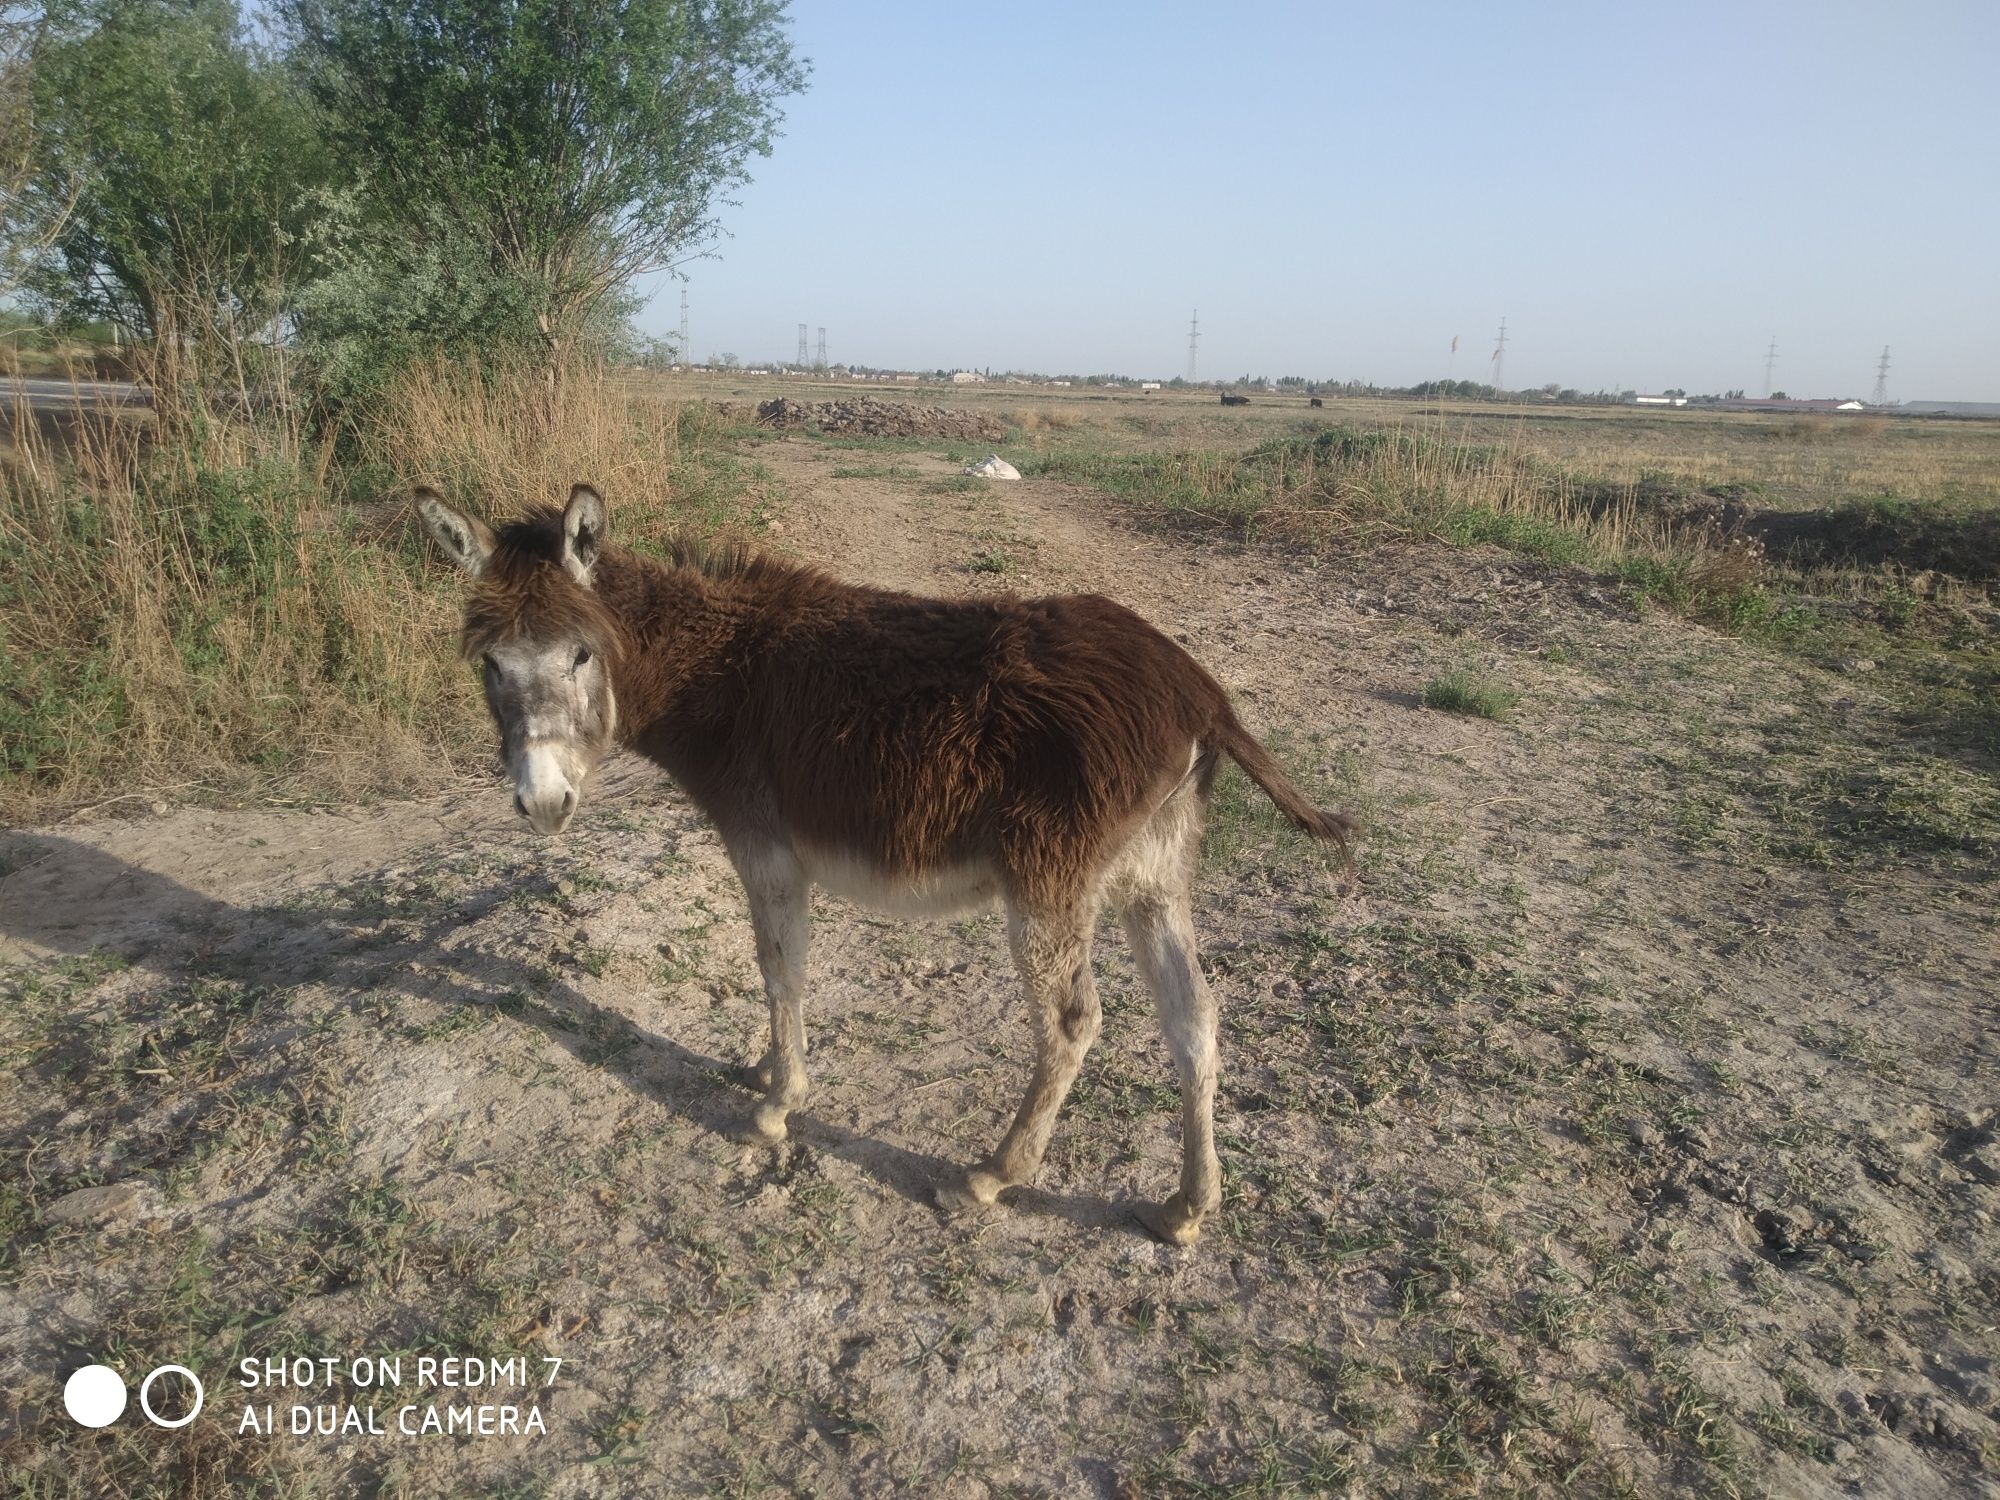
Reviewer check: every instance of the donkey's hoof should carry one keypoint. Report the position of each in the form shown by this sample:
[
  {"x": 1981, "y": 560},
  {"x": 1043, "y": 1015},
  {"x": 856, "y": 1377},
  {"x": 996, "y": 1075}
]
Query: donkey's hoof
[
  {"x": 969, "y": 1191},
  {"x": 757, "y": 1075},
  {"x": 764, "y": 1127},
  {"x": 1169, "y": 1221}
]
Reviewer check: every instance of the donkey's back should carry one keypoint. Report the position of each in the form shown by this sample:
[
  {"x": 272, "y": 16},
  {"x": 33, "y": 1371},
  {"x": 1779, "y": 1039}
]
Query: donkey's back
[{"x": 918, "y": 734}]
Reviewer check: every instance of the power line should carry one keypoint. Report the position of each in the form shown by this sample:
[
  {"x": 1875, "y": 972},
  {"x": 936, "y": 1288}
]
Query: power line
[
  {"x": 1500, "y": 358},
  {"x": 822, "y": 349},
  {"x": 1194, "y": 334},
  {"x": 1881, "y": 396},
  {"x": 684, "y": 326},
  {"x": 1770, "y": 364}
]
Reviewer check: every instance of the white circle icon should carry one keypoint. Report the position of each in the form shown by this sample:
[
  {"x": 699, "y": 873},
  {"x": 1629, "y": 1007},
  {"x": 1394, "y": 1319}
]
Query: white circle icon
[
  {"x": 94, "y": 1396},
  {"x": 147, "y": 1385}
]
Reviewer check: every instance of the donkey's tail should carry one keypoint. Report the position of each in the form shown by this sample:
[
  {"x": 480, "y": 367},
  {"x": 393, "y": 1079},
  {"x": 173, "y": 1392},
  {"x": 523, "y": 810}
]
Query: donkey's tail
[{"x": 1260, "y": 766}]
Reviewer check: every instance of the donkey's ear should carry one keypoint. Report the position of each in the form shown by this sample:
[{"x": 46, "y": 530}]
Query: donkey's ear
[
  {"x": 466, "y": 540},
  {"x": 583, "y": 532}
]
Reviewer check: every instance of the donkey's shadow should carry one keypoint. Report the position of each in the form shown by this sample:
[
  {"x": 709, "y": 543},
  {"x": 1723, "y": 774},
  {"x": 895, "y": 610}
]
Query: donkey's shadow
[{"x": 65, "y": 896}]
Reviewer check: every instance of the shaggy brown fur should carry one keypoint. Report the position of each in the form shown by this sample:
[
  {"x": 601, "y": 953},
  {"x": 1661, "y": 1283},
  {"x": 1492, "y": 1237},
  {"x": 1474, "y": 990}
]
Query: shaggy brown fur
[
  {"x": 919, "y": 732},
  {"x": 1060, "y": 750}
]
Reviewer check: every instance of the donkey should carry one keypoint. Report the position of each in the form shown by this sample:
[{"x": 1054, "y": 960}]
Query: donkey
[{"x": 922, "y": 756}]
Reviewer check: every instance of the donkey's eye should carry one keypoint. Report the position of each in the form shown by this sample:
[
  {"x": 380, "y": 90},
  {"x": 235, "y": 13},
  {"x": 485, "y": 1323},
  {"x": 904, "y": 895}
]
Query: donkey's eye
[
  {"x": 491, "y": 666},
  {"x": 582, "y": 655}
]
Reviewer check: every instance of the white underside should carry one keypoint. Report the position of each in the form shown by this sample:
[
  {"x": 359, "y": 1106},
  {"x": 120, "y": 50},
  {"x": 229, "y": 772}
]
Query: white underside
[
  {"x": 937, "y": 893},
  {"x": 1155, "y": 858}
]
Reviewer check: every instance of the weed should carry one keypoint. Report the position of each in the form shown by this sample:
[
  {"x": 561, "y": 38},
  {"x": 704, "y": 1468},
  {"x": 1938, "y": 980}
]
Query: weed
[
  {"x": 1463, "y": 691},
  {"x": 992, "y": 560}
]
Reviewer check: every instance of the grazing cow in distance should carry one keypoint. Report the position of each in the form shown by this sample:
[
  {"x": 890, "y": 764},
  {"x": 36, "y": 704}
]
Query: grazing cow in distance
[
  {"x": 929, "y": 756},
  {"x": 1317, "y": 402},
  {"x": 1229, "y": 400}
]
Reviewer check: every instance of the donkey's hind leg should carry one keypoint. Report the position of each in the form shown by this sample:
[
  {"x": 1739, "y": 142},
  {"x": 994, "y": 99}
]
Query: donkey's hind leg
[
  {"x": 1160, "y": 927},
  {"x": 1152, "y": 888},
  {"x": 1052, "y": 951},
  {"x": 780, "y": 917}
]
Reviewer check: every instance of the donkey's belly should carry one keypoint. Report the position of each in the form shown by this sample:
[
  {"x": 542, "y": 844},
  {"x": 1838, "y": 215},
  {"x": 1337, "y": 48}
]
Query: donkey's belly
[{"x": 935, "y": 893}]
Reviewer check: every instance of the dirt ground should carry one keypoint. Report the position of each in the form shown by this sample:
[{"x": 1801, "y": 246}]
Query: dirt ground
[{"x": 1624, "y": 1124}]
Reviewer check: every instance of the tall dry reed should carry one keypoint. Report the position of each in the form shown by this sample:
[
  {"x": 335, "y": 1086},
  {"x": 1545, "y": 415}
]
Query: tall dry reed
[{"x": 260, "y": 616}]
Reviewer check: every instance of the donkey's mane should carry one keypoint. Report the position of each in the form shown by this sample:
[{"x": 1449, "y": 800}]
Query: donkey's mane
[
  {"x": 524, "y": 580},
  {"x": 732, "y": 562},
  {"x": 536, "y": 536}
]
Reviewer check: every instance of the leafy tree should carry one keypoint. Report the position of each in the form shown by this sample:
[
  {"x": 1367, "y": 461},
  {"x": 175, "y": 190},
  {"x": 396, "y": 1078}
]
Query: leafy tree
[
  {"x": 538, "y": 155},
  {"x": 21, "y": 235},
  {"x": 171, "y": 160},
  {"x": 375, "y": 299}
]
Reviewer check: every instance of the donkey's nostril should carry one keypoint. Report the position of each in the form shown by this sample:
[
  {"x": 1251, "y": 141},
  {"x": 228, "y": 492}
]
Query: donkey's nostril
[
  {"x": 520, "y": 806},
  {"x": 569, "y": 803}
]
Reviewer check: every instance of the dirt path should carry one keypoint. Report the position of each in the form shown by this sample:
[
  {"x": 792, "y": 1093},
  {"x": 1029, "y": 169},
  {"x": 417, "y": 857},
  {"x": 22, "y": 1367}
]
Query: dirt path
[{"x": 1612, "y": 1127}]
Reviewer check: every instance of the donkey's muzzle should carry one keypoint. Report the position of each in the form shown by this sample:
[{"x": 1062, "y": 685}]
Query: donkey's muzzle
[{"x": 544, "y": 791}]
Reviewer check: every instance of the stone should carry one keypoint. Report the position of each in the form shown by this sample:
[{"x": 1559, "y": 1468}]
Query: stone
[{"x": 111, "y": 1202}]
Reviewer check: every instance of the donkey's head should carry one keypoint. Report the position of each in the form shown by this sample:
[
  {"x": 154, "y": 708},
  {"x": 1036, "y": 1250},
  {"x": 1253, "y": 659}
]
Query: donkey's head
[{"x": 544, "y": 640}]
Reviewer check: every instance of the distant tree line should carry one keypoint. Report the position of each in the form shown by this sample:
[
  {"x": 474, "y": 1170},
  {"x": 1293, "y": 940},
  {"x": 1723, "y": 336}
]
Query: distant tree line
[
  {"x": 1428, "y": 390},
  {"x": 304, "y": 207}
]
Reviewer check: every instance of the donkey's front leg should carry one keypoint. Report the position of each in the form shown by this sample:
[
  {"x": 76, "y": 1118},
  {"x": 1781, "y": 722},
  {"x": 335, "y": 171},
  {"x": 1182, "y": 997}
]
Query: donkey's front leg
[{"x": 780, "y": 918}]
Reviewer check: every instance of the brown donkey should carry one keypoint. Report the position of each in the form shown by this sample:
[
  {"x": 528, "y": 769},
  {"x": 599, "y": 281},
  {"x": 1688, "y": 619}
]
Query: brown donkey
[{"x": 921, "y": 755}]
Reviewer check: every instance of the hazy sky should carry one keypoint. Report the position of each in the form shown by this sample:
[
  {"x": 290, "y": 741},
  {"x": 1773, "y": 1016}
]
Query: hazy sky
[{"x": 1647, "y": 193}]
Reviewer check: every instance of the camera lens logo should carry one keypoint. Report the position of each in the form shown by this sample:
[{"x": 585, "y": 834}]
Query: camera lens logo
[
  {"x": 146, "y": 1387},
  {"x": 95, "y": 1396}
]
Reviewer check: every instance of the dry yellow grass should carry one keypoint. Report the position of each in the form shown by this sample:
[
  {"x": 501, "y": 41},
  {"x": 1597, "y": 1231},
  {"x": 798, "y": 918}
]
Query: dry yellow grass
[
  {"x": 484, "y": 440},
  {"x": 265, "y": 616},
  {"x": 1802, "y": 461},
  {"x": 1052, "y": 419}
]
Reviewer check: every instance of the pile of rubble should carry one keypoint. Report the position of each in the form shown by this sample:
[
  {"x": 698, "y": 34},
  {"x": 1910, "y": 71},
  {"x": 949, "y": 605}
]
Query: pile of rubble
[{"x": 863, "y": 416}]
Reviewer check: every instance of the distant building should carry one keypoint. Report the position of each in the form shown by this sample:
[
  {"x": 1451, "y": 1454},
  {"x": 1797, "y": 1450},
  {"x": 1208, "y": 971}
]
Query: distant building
[
  {"x": 1149, "y": 385},
  {"x": 1787, "y": 404},
  {"x": 967, "y": 377},
  {"x": 1063, "y": 383},
  {"x": 1659, "y": 401}
]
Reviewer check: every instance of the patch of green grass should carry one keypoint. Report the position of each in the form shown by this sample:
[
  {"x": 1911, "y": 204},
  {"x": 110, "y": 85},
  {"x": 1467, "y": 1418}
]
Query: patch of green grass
[
  {"x": 992, "y": 560},
  {"x": 1696, "y": 1415},
  {"x": 1463, "y": 691}
]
